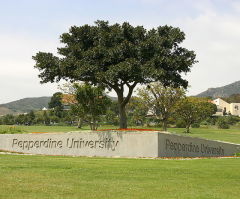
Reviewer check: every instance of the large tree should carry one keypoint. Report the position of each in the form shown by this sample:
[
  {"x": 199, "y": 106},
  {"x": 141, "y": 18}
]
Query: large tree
[{"x": 118, "y": 56}]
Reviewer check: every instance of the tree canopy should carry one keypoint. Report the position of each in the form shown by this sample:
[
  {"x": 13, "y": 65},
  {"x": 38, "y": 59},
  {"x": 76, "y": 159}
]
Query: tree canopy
[
  {"x": 56, "y": 100},
  {"x": 118, "y": 56},
  {"x": 92, "y": 101},
  {"x": 161, "y": 100},
  {"x": 192, "y": 110},
  {"x": 56, "y": 104}
]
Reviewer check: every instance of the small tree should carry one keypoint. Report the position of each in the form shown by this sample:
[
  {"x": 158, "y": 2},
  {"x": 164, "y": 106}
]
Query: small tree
[
  {"x": 31, "y": 117},
  {"x": 78, "y": 111},
  {"x": 86, "y": 102},
  {"x": 20, "y": 119},
  {"x": 8, "y": 119},
  {"x": 112, "y": 114},
  {"x": 161, "y": 100},
  {"x": 137, "y": 110},
  {"x": 192, "y": 110},
  {"x": 93, "y": 102},
  {"x": 39, "y": 118},
  {"x": 56, "y": 104},
  {"x": 118, "y": 56},
  {"x": 46, "y": 118}
]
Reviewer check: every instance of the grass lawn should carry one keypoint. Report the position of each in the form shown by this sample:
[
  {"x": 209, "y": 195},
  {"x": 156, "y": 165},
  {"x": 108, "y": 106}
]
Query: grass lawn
[
  {"x": 228, "y": 135},
  {"x": 30, "y": 129},
  {"x": 44, "y": 129},
  {"x": 40, "y": 177}
]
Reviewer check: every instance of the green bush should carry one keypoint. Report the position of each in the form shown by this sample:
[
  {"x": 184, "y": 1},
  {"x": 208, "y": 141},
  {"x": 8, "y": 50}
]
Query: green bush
[
  {"x": 205, "y": 123},
  {"x": 195, "y": 125},
  {"x": 222, "y": 123},
  {"x": 180, "y": 124},
  {"x": 232, "y": 120},
  {"x": 211, "y": 120}
]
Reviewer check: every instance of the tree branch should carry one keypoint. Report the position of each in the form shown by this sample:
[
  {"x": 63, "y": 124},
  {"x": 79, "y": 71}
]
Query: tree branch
[{"x": 130, "y": 87}]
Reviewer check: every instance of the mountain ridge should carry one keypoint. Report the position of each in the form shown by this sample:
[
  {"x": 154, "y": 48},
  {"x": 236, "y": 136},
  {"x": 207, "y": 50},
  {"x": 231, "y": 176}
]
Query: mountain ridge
[
  {"x": 223, "y": 91},
  {"x": 28, "y": 104},
  {"x": 24, "y": 105}
]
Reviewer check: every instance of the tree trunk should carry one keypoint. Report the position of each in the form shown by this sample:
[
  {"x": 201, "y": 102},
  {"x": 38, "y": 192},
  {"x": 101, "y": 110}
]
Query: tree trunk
[
  {"x": 164, "y": 125},
  {"x": 187, "y": 128},
  {"x": 122, "y": 102},
  {"x": 123, "y": 117},
  {"x": 80, "y": 122},
  {"x": 93, "y": 124}
]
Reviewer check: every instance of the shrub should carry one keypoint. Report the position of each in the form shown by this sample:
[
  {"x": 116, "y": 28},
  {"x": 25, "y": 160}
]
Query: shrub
[
  {"x": 232, "y": 120},
  {"x": 211, "y": 120},
  {"x": 205, "y": 123},
  {"x": 222, "y": 123},
  {"x": 195, "y": 125},
  {"x": 180, "y": 124}
]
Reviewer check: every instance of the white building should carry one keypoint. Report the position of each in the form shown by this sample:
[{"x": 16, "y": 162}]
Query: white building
[
  {"x": 222, "y": 106},
  {"x": 44, "y": 109}
]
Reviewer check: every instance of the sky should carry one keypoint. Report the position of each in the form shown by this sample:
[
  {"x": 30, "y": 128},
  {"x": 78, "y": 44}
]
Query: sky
[{"x": 212, "y": 29}]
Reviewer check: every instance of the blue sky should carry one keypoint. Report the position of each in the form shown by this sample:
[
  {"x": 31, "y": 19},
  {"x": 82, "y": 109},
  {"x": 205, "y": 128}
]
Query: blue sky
[{"x": 212, "y": 30}]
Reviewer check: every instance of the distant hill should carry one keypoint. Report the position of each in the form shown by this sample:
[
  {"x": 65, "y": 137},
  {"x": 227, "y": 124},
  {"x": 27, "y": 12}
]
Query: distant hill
[
  {"x": 24, "y": 105},
  {"x": 5, "y": 111},
  {"x": 27, "y": 104},
  {"x": 224, "y": 91}
]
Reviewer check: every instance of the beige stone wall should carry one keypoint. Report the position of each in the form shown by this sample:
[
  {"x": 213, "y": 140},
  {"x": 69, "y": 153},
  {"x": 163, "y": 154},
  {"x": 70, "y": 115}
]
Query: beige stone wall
[
  {"x": 116, "y": 144},
  {"x": 107, "y": 144},
  {"x": 172, "y": 145}
]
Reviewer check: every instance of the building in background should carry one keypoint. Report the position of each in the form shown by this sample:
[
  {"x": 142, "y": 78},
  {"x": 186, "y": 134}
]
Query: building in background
[{"x": 224, "y": 108}]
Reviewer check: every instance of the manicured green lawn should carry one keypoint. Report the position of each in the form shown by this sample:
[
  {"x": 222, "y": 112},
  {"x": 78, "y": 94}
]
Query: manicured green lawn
[
  {"x": 30, "y": 129},
  {"x": 43, "y": 177},
  {"x": 44, "y": 129},
  {"x": 228, "y": 135}
]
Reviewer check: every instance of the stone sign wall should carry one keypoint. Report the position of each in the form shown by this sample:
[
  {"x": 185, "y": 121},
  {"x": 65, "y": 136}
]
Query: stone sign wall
[
  {"x": 172, "y": 145},
  {"x": 116, "y": 144}
]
